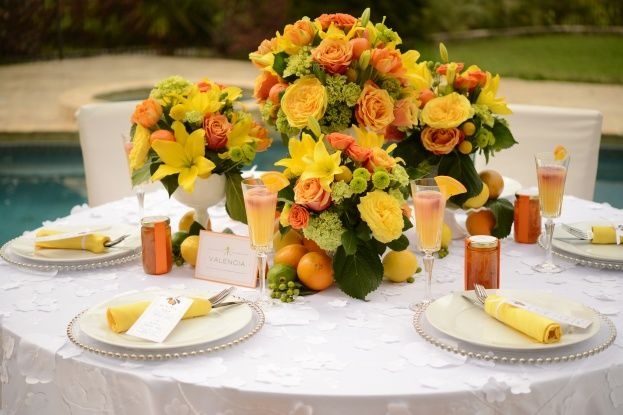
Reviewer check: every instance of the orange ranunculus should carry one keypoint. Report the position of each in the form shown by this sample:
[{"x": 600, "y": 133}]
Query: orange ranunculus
[
  {"x": 341, "y": 20},
  {"x": 305, "y": 98},
  {"x": 311, "y": 194},
  {"x": 379, "y": 159},
  {"x": 263, "y": 83},
  {"x": 443, "y": 69},
  {"x": 165, "y": 135},
  {"x": 274, "y": 95},
  {"x": 357, "y": 153},
  {"x": 263, "y": 140},
  {"x": 334, "y": 55},
  {"x": 217, "y": 127},
  {"x": 425, "y": 96},
  {"x": 340, "y": 141},
  {"x": 147, "y": 113},
  {"x": 405, "y": 113},
  {"x": 300, "y": 33},
  {"x": 374, "y": 109},
  {"x": 441, "y": 141},
  {"x": 298, "y": 216},
  {"x": 387, "y": 61},
  {"x": 470, "y": 79}
]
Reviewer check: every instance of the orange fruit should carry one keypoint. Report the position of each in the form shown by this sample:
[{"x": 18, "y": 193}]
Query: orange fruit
[
  {"x": 449, "y": 186},
  {"x": 560, "y": 152},
  {"x": 312, "y": 246},
  {"x": 315, "y": 270},
  {"x": 494, "y": 182},
  {"x": 290, "y": 255},
  {"x": 274, "y": 180},
  {"x": 480, "y": 222}
]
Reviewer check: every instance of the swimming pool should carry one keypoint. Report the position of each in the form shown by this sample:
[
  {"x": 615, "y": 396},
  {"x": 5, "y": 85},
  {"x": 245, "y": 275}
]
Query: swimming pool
[{"x": 44, "y": 180}]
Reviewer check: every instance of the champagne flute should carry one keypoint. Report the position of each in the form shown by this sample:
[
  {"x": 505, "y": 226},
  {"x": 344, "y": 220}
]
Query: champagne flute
[
  {"x": 139, "y": 188},
  {"x": 260, "y": 204},
  {"x": 551, "y": 174},
  {"x": 429, "y": 203}
]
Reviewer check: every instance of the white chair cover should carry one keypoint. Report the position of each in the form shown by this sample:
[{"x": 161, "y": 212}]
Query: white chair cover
[{"x": 539, "y": 128}]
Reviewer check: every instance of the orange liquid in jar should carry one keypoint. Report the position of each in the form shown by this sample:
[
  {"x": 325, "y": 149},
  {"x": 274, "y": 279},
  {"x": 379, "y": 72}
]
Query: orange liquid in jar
[
  {"x": 429, "y": 206},
  {"x": 551, "y": 189},
  {"x": 482, "y": 261},
  {"x": 260, "y": 204}
]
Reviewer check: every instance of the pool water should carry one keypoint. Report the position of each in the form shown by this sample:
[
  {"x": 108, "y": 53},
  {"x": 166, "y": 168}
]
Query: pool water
[{"x": 43, "y": 181}]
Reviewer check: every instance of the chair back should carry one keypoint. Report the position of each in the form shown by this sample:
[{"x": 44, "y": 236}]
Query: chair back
[
  {"x": 540, "y": 128},
  {"x": 101, "y": 127}
]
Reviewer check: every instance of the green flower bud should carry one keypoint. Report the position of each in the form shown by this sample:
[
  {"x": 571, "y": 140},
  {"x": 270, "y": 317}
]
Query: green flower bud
[
  {"x": 362, "y": 173},
  {"x": 380, "y": 179},
  {"x": 443, "y": 53},
  {"x": 358, "y": 185},
  {"x": 365, "y": 17},
  {"x": 236, "y": 154}
]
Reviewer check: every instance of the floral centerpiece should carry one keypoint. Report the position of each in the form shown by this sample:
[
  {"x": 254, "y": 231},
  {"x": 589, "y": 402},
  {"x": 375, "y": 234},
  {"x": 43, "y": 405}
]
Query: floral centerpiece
[
  {"x": 348, "y": 195},
  {"x": 459, "y": 115},
  {"x": 338, "y": 70},
  {"x": 188, "y": 131}
]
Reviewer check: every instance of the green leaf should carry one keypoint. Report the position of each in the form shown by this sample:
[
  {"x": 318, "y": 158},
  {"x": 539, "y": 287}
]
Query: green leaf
[
  {"x": 357, "y": 275},
  {"x": 234, "y": 203},
  {"x": 399, "y": 244},
  {"x": 380, "y": 247},
  {"x": 141, "y": 175},
  {"x": 503, "y": 211},
  {"x": 280, "y": 63},
  {"x": 407, "y": 224},
  {"x": 503, "y": 136},
  {"x": 349, "y": 242},
  {"x": 461, "y": 167},
  {"x": 195, "y": 228},
  {"x": 363, "y": 231},
  {"x": 170, "y": 183}
]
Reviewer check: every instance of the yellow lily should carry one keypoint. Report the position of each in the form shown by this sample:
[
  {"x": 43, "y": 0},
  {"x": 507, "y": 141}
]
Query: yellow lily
[
  {"x": 301, "y": 155},
  {"x": 368, "y": 139},
  {"x": 140, "y": 147},
  {"x": 324, "y": 166},
  {"x": 488, "y": 93},
  {"x": 418, "y": 75},
  {"x": 201, "y": 103},
  {"x": 185, "y": 156}
]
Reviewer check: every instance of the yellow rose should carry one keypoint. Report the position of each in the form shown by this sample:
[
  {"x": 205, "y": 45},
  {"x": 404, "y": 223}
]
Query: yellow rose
[
  {"x": 304, "y": 98},
  {"x": 383, "y": 215},
  {"x": 447, "y": 111}
]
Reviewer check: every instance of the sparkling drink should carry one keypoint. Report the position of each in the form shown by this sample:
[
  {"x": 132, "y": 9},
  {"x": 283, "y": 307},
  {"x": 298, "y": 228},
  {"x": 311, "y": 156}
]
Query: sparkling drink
[
  {"x": 551, "y": 189},
  {"x": 429, "y": 207},
  {"x": 260, "y": 204}
]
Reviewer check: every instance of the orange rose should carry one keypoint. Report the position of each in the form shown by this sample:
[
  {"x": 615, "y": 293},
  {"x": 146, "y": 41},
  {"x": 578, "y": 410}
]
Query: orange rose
[
  {"x": 217, "y": 127},
  {"x": 263, "y": 83},
  {"x": 441, "y": 141},
  {"x": 387, "y": 61},
  {"x": 165, "y": 135},
  {"x": 310, "y": 193},
  {"x": 374, "y": 109},
  {"x": 300, "y": 33},
  {"x": 340, "y": 141},
  {"x": 425, "y": 96},
  {"x": 341, "y": 20},
  {"x": 274, "y": 95},
  {"x": 298, "y": 217},
  {"x": 443, "y": 69},
  {"x": 334, "y": 55},
  {"x": 262, "y": 139},
  {"x": 379, "y": 159},
  {"x": 357, "y": 153},
  {"x": 470, "y": 80},
  {"x": 147, "y": 113},
  {"x": 405, "y": 113},
  {"x": 359, "y": 44}
]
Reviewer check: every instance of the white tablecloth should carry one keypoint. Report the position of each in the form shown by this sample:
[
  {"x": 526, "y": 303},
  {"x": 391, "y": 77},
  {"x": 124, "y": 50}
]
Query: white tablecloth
[{"x": 327, "y": 354}]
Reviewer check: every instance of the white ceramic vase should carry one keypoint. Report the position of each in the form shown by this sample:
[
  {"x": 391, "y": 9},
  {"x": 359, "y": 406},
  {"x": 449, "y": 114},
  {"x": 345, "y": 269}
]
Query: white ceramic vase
[{"x": 208, "y": 192}]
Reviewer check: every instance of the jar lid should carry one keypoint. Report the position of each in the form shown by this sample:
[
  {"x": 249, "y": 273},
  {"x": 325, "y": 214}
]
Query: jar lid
[
  {"x": 483, "y": 241},
  {"x": 532, "y": 193},
  {"x": 150, "y": 221}
]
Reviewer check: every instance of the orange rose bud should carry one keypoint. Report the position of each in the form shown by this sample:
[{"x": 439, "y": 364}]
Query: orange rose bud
[
  {"x": 298, "y": 217},
  {"x": 311, "y": 194},
  {"x": 147, "y": 113},
  {"x": 164, "y": 135},
  {"x": 441, "y": 141}
]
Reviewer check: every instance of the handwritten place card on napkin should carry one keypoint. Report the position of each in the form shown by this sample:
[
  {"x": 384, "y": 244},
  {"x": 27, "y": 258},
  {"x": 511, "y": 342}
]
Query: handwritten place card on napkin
[
  {"x": 226, "y": 258},
  {"x": 160, "y": 318}
]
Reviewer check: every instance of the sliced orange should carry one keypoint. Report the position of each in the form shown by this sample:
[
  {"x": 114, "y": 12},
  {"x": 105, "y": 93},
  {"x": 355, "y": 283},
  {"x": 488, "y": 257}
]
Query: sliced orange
[
  {"x": 449, "y": 186},
  {"x": 560, "y": 152},
  {"x": 275, "y": 180}
]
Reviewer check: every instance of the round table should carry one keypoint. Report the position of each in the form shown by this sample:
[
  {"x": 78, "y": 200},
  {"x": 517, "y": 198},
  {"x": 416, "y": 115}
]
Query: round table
[{"x": 324, "y": 354}]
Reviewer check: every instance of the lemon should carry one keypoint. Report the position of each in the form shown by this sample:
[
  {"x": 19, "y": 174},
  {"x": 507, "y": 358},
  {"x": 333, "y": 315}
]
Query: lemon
[
  {"x": 289, "y": 238},
  {"x": 446, "y": 236},
  {"x": 189, "y": 249},
  {"x": 560, "y": 152},
  {"x": 398, "y": 266},
  {"x": 186, "y": 221},
  {"x": 478, "y": 201},
  {"x": 346, "y": 175}
]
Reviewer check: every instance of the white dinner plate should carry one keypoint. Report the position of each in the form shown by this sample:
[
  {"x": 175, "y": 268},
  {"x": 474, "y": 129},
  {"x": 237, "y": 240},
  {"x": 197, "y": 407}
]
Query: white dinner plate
[
  {"x": 24, "y": 246},
  {"x": 218, "y": 324},
  {"x": 462, "y": 320},
  {"x": 566, "y": 243}
]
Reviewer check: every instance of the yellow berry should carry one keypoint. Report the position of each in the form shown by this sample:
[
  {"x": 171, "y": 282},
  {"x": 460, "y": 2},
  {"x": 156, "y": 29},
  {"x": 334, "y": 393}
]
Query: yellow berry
[
  {"x": 469, "y": 128},
  {"x": 465, "y": 147}
]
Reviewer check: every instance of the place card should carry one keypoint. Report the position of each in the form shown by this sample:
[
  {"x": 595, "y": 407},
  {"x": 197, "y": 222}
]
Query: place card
[
  {"x": 160, "y": 318},
  {"x": 226, "y": 258},
  {"x": 559, "y": 317}
]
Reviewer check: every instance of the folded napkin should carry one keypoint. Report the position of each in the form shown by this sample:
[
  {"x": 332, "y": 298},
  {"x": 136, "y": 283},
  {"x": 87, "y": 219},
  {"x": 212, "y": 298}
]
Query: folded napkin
[
  {"x": 538, "y": 327},
  {"x": 606, "y": 235},
  {"x": 90, "y": 241},
  {"x": 120, "y": 318}
]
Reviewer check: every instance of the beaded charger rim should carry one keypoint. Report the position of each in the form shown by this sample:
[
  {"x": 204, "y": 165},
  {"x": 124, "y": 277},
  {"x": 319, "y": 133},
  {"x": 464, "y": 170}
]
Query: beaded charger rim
[
  {"x": 617, "y": 266},
  {"x": 87, "y": 265},
  {"x": 174, "y": 353},
  {"x": 608, "y": 330}
]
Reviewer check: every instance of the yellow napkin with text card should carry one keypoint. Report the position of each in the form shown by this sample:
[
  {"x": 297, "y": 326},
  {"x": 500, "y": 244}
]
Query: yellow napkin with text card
[
  {"x": 540, "y": 328},
  {"x": 603, "y": 235},
  {"x": 120, "y": 318},
  {"x": 90, "y": 241}
]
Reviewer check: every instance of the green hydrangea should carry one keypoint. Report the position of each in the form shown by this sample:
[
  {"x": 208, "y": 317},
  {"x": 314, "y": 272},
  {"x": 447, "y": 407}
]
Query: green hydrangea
[
  {"x": 326, "y": 230},
  {"x": 392, "y": 86},
  {"x": 397, "y": 194},
  {"x": 194, "y": 118},
  {"x": 170, "y": 90},
  {"x": 336, "y": 118},
  {"x": 485, "y": 115},
  {"x": 268, "y": 111},
  {"x": 340, "y": 90},
  {"x": 362, "y": 172},
  {"x": 358, "y": 185},
  {"x": 380, "y": 179},
  {"x": 400, "y": 175},
  {"x": 484, "y": 137},
  {"x": 351, "y": 93},
  {"x": 299, "y": 64},
  {"x": 340, "y": 191}
]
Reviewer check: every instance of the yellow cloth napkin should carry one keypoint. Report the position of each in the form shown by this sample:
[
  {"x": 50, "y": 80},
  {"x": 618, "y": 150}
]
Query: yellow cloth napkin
[
  {"x": 604, "y": 235},
  {"x": 538, "y": 327},
  {"x": 120, "y": 318},
  {"x": 91, "y": 242}
]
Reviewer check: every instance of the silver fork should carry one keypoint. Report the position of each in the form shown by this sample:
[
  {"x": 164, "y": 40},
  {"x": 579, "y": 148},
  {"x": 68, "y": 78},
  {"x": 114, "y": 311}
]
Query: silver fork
[
  {"x": 481, "y": 293},
  {"x": 116, "y": 241},
  {"x": 578, "y": 233},
  {"x": 217, "y": 298}
]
